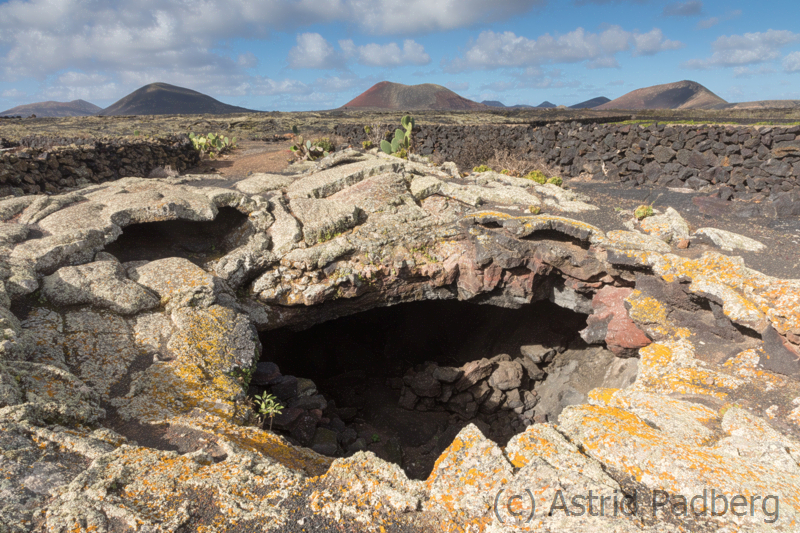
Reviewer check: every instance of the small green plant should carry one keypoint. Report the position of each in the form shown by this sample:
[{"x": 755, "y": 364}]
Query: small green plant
[
  {"x": 367, "y": 145},
  {"x": 324, "y": 143},
  {"x": 536, "y": 176},
  {"x": 555, "y": 180},
  {"x": 367, "y": 130},
  {"x": 212, "y": 144},
  {"x": 505, "y": 171},
  {"x": 481, "y": 168},
  {"x": 136, "y": 132},
  {"x": 535, "y": 209},
  {"x": 376, "y": 438},
  {"x": 402, "y": 153},
  {"x": 643, "y": 211},
  {"x": 268, "y": 406},
  {"x": 305, "y": 150},
  {"x": 402, "y": 139}
]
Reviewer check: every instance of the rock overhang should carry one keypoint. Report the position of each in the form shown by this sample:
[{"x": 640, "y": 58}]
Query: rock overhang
[{"x": 181, "y": 357}]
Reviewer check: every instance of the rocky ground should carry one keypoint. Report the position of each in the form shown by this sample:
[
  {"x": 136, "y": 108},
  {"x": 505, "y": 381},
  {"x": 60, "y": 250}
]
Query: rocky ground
[{"x": 125, "y": 361}]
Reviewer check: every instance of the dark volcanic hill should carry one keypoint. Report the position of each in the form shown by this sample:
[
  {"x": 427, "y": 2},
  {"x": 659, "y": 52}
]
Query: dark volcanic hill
[
  {"x": 75, "y": 108},
  {"x": 388, "y": 95},
  {"x": 680, "y": 95},
  {"x": 495, "y": 103},
  {"x": 165, "y": 99},
  {"x": 588, "y": 104},
  {"x": 546, "y": 105}
]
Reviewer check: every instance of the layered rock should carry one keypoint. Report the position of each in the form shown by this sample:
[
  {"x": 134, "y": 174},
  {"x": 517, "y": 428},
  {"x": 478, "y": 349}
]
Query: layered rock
[{"x": 122, "y": 384}]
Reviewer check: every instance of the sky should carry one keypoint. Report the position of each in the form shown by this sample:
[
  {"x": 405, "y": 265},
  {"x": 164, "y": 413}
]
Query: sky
[{"x": 296, "y": 55}]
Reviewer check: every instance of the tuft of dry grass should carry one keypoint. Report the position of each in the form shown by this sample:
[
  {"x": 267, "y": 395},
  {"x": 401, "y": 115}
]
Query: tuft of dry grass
[{"x": 516, "y": 165}]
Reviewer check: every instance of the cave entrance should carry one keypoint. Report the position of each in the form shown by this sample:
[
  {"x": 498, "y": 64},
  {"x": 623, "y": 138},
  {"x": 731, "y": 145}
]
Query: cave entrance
[
  {"x": 402, "y": 381},
  {"x": 195, "y": 241}
]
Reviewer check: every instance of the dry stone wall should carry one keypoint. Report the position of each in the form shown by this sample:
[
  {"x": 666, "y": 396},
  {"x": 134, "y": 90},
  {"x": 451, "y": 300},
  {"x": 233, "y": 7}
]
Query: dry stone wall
[
  {"x": 40, "y": 164},
  {"x": 728, "y": 161}
]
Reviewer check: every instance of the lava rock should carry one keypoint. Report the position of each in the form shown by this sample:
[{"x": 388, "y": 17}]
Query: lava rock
[
  {"x": 305, "y": 387},
  {"x": 474, "y": 371},
  {"x": 286, "y": 418},
  {"x": 425, "y": 385},
  {"x": 447, "y": 393},
  {"x": 286, "y": 388},
  {"x": 534, "y": 372},
  {"x": 500, "y": 358},
  {"x": 408, "y": 400},
  {"x": 325, "y": 442},
  {"x": 267, "y": 373},
  {"x": 447, "y": 374},
  {"x": 462, "y": 404},
  {"x": 304, "y": 429},
  {"x": 493, "y": 402},
  {"x": 316, "y": 401},
  {"x": 359, "y": 445},
  {"x": 480, "y": 392},
  {"x": 537, "y": 353},
  {"x": 513, "y": 399},
  {"x": 507, "y": 376},
  {"x": 780, "y": 356},
  {"x": 347, "y": 437}
]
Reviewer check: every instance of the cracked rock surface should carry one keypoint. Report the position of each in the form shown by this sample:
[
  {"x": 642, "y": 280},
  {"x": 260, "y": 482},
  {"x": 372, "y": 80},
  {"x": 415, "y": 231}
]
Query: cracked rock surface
[{"x": 122, "y": 384}]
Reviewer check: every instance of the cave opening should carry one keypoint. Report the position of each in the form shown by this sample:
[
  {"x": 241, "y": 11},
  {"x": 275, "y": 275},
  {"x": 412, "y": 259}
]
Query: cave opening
[
  {"x": 197, "y": 241},
  {"x": 402, "y": 381}
]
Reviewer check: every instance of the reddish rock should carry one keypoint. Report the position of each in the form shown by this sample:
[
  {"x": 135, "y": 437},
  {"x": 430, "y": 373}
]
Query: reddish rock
[
  {"x": 622, "y": 336},
  {"x": 474, "y": 371},
  {"x": 491, "y": 277},
  {"x": 683, "y": 244}
]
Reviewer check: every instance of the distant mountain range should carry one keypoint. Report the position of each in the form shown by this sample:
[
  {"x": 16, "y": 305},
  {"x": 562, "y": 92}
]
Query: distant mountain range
[
  {"x": 152, "y": 99},
  {"x": 166, "y": 99},
  {"x": 75, "y": 108},
  {"x": 389, "y": 95},
  {"x": 495, "y": 103},
  {"x": 679, "y": 95}
]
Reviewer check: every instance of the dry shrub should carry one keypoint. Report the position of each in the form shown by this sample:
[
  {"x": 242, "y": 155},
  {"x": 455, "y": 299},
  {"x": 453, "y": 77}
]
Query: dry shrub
[
  {"x": 517, "y": 165},
  {"x": 338, "y": 141}
]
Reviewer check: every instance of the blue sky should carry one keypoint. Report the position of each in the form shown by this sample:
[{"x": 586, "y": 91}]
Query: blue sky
[{"x": 319, "y": 54}]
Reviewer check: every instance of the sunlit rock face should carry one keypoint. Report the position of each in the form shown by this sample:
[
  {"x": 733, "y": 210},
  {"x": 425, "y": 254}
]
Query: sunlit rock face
[{"x": 125, "y": 371}]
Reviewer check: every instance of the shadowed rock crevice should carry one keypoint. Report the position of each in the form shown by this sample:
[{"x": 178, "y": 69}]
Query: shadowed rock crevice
[
  {"x": 402, "y": 381},
  {"x": 196, "y": 241}
]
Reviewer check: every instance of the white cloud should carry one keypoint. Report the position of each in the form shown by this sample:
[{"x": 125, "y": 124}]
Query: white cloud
[
  {"x": 423, "y": 16},
  {"x": 494, "y": 50},
  {"x": 12, "y": 94},
  {"x": 747, "y": 72},
  {"x": 683, "y": 9},
  {"x": 391, "y": 55},
  {"x": 747, "y": 49},
  {"x": 653, "y": 42},
  {"x": 313, "y": 51},
  {"x": 791, "y": 63}
]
